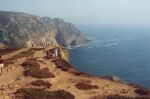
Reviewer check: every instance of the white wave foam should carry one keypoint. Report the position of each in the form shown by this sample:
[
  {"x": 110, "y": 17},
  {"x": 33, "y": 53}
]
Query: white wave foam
[
  {"x": 77, "y": 46},
  {"x": 109, "y": 42},
  {"x": 112, "y": 44}
]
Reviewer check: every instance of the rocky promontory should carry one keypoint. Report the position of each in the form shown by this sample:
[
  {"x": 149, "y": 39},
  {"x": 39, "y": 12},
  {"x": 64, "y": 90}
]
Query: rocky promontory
[{"x": 24, "y": 30}]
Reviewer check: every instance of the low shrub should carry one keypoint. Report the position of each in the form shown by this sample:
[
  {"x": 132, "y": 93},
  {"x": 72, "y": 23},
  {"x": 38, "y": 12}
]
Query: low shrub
[
  {"x": 32, "y": 59},
  {"x": 78, "y": 73},
  {"x": 140, "y": 90},
  {"x": 31, "y": 64},
  {"x": 135, "y": 85},
  {"x": 41, "y": 83},
  {"x": 8, "y": 62},
  {"x": 48, "y": 57},
  {"x": 8, "y": 50},
  {"x": 143, "y": 91},
  {"x": 32, "y": 93},
  {"x": 36, "y": 49},
  {"x": 118, "y": 97},
  {"x": 33, "y": 69},
  {"x": 38, "y": 73},
  {"x": 63, "y": 65},
  {"x": 85, "y": 86},
  {"x": 24, "y": 54},
  {"x": 41, "y": 61},
  {"x": 55, "y": 60}
]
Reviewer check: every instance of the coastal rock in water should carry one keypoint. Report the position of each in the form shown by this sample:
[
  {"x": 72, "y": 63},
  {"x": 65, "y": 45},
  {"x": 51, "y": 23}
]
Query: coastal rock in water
[
  {"x": 114, "y": 78},
  {"x": 25, "y": 30}
]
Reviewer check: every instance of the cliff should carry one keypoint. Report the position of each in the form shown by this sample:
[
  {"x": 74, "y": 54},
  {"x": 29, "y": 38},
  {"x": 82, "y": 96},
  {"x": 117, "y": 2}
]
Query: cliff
[
  {"x": 24, "y": 30},
  {"x": 30, "y": 73}
]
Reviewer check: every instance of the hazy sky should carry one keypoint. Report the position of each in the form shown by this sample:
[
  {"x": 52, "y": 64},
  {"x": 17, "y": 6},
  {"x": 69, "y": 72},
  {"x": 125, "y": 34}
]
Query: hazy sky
[{"x": 85, "y": 11}]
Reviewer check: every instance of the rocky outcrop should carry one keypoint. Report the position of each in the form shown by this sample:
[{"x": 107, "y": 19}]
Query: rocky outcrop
[
  {"x": 67, "y": 34},
  {"x": 25, "y": 30},
  {"x": 114, "y": 78}
]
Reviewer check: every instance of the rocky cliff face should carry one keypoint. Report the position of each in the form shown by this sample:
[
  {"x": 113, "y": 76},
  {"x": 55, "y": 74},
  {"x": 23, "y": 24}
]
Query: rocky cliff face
[{"x": 25, "y": 30}]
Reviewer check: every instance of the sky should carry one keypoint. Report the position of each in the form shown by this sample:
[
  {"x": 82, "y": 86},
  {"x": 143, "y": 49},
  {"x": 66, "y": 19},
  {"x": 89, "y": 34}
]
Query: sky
[{"x": 85, "y": 11}]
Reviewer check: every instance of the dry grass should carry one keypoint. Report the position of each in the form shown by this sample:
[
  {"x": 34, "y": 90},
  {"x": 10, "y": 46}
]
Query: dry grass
[
  {"x": 24, "y": 54},
  {"x": 32, "y": 59},
  {"x": 41, "y": 61},
  {"x": 8, "y": 50},
  {"x": 32, "y": 93},
  {"x": 36, "y": 49},
  {"x": 41, "y": 83}
]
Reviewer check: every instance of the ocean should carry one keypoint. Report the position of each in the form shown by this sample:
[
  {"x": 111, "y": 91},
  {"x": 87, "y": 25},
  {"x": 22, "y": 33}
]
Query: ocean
[{"x": 122, "y": 51}]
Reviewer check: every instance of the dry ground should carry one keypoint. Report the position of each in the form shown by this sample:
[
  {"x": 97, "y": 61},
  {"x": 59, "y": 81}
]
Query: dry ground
[{"x": 12, "y": 78}]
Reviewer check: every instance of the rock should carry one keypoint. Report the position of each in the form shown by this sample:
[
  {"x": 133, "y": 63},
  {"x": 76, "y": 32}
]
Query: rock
[
  {"x": 114, "y": 78},
  {"x": 124, "y": 91},
  {"x": 26, "y": 30}
]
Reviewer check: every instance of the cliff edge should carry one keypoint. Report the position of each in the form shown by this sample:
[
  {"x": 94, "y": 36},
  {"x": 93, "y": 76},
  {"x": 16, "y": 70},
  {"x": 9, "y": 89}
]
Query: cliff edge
[{"x": 32, "y": 73}]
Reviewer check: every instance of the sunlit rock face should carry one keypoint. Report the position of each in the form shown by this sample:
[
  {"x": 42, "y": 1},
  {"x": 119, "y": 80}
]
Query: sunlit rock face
[{"x": 25, "y": 30}]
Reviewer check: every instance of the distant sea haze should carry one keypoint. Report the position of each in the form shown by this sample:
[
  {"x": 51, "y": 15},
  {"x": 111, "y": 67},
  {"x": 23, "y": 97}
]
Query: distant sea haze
[{"x": 120, "y": 51}]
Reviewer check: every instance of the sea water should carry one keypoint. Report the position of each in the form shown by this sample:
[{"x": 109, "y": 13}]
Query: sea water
[{"x": 115, "y": 50}]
